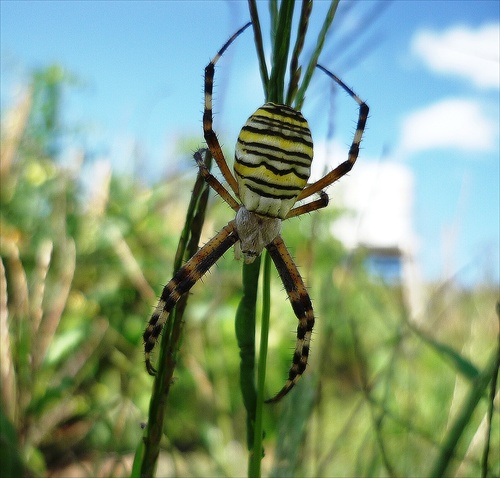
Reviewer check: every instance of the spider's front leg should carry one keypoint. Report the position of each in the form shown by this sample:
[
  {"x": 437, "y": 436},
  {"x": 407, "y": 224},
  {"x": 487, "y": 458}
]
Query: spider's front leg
[
  {"x": 182, "y": 282},
  {"x": 302, "y": 306},
  {"x": 208, "y": 132}
]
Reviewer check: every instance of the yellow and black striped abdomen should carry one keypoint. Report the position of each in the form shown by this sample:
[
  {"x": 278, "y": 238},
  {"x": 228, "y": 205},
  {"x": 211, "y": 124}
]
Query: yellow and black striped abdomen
[{"x": 273, "y": 159}]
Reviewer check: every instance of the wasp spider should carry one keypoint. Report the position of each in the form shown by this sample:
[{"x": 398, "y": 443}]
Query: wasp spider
[{"x": 272, "y": 165}]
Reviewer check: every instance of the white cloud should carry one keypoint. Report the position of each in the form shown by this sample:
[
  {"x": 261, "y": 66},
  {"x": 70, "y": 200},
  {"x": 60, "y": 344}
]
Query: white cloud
[
  {"x": 473, "y": 54},
  {"x": 454, "y": 123}
]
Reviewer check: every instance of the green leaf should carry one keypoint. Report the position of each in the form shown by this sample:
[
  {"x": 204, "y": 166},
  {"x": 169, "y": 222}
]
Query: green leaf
[
  {"x": 447, "y": 454},
  {"x": 12, "y": 464},
  {"x": 459, "y": 362}
]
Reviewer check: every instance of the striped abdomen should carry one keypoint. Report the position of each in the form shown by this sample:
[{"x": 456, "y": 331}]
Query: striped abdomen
[{"x": 273, "y": 159}]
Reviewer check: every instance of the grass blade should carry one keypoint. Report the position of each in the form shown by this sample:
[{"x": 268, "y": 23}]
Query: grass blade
[
  {"x": 295, "y": 71},
  {"x": 442, "y": 465},
  {"x": 491, "y": 405},
  {"x": 299, "y": 99},
  {"x": 256, "y": 456},
  {"x": 257, "y": 34},
  {"x": 188, "y": 244},
  {"x": 459, "y": 362},
  {"x": 280, "y": 53}
]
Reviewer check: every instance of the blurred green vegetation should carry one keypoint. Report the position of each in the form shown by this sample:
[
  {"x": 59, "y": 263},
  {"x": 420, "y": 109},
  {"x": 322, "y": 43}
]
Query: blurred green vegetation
[{"x": 386, "y": 392}]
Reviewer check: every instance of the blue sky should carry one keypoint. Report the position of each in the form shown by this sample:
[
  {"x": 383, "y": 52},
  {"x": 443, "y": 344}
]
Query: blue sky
[{"x": 428, "y": 70}]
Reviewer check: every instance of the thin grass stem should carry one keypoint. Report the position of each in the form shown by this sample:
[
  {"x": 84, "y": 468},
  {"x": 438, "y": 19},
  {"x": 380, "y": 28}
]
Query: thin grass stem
[
  {"x": 273, "y": 15},
  {"x": 245, "y": 336},
  {"x": 280, "y": 53},
  {"x": 257, "y": 33},
  {"x": 299, "y": 99},
  {"x": 188, "y": 244},
  {"x": 254, "y": 470},
  {"x": 295, "y": 70},
  {"x": 442, "y": 465}
]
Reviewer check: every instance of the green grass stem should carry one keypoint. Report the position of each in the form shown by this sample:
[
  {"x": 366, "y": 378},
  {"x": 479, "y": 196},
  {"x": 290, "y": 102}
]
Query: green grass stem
[
  {"x": 281, "y": 47},
  {"x": 187, "y": 247},
  {"x": 259, "y": 46},
  {"x": 447, "y": 454},
  {"x": 245, "y": 336},
  {"x": 256, "y": 456},
  {"x": 295, "y": 70},
  {"x": 299, "y": 99}
]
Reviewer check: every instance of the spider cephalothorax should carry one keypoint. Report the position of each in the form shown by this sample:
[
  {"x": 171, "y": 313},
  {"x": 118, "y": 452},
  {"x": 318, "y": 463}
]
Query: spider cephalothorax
[{"x": 272, "y": 165}]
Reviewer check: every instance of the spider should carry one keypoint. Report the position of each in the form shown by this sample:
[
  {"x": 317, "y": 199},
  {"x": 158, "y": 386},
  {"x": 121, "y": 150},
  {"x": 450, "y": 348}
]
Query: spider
[{"x": 272, "y": 165}]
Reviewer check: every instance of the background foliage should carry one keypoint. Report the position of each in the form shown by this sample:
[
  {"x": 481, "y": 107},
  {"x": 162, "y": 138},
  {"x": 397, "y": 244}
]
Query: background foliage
[{"x": 386, "y": 393}]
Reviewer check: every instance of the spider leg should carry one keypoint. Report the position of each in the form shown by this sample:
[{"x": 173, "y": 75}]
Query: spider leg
[
  {"x": 310, "y": 207},
  {"x": 347, "y": 165},
  {"x": 182, "y": 282},
  {"x": 209, "y": 133},
  {"x": 301, "y": 304},
  {"x": 214, "y": 183}
]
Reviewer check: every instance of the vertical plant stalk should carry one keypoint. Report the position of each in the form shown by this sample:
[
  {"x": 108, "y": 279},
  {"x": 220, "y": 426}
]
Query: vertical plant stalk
[
  {"x": 281, "y": 47},
  {"x": 245, "y": 336},
  {"x": 295, "y": 70},
  {"x": 188, "y": 245},
  {"x": 299, "y": 100},
  {"x": 257, "y": 33},
  {"x": 256, "y": 456},
  {"x": 273, "y": 14}
]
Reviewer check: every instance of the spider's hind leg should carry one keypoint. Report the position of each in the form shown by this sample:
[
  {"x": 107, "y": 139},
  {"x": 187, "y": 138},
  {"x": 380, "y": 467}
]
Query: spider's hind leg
[
  {"x": 310, "y": 206},
  {"x": 182, "y": 282},
  {"x": 302, "y": 306}
]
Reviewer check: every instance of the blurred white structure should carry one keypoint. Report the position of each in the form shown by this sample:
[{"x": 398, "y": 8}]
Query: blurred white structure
[{"x": 378, "y": 198}]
